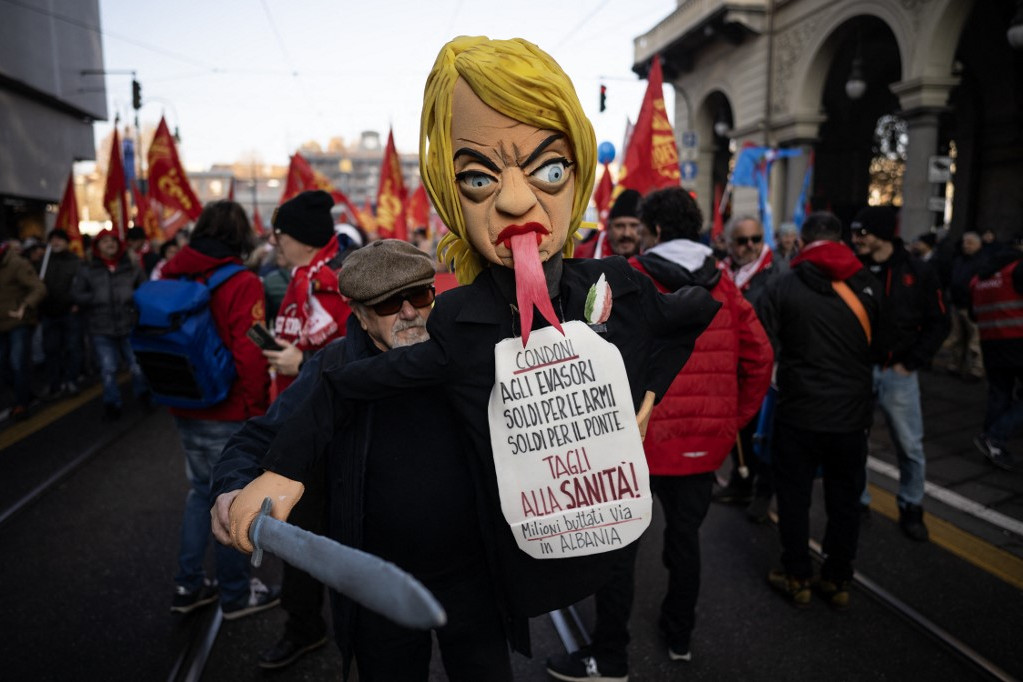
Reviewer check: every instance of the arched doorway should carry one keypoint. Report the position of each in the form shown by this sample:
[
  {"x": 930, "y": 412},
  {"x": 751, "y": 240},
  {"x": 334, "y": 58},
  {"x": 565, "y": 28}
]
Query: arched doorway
[
  {"x": 716, "y": 121},
  {"x": 848, "y": 142}
]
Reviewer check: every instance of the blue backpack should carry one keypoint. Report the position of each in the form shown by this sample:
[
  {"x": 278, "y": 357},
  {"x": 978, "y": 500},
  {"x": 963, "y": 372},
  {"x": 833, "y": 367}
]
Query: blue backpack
[{"x": 176, "y": 341}]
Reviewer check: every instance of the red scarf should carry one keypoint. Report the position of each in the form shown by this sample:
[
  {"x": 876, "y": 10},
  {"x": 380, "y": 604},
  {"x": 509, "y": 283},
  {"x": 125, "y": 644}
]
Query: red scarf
[
  {"x": 112, "y": 262},
  {"x": 298, "y": 321},
  {"x": 743, "y": 275}
]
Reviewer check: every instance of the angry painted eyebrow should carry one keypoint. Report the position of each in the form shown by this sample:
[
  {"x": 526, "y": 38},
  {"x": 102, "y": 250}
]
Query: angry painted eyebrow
[
  {"x": 482, "y": 158},
  {"x": 540, "y": 147},
  {"x": 486, "y": 161}
]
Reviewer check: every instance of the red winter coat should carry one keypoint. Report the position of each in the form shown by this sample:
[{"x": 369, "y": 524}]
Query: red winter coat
[
  {"x": 722, "y": 385},
  {"x": 236, "y": 305}
]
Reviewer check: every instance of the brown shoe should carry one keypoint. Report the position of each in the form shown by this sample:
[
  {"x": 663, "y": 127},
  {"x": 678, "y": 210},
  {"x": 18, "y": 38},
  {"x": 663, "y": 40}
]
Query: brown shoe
[
  {"x": 835, "y": 592},
  {"x": 797, "y": 590}
]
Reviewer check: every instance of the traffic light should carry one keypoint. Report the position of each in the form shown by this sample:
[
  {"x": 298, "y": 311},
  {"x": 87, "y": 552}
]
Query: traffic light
[
  {"x": 136, "y": 95},
  {"x": 603, "y": 98}
]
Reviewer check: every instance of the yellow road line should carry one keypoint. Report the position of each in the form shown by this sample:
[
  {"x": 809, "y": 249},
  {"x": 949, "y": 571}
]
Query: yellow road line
[
  {"x": 46, "y": 416},
  {"x": 966, "y": 546}
]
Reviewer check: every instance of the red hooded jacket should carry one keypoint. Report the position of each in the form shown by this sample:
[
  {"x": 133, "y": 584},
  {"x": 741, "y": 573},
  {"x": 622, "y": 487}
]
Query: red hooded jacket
[
  {"x": 721, "y": 387},
  {"x": 236, "y": 305}
]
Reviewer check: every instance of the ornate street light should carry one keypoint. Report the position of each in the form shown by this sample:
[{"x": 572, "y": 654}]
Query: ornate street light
[
  {"x": 857, "y": 84},
  {"x": 1015, "y": 32}
]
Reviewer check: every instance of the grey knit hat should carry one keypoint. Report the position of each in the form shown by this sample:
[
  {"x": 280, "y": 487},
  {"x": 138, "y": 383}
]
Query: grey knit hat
[{"x": 382, "y": 269}]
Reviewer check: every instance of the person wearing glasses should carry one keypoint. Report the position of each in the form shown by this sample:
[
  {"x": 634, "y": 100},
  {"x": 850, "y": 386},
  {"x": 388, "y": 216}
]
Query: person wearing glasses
[
  {"x": 414, "y": 506},
  {"x": 750, "y": 263},
  {"x": 312, "y": 314}
]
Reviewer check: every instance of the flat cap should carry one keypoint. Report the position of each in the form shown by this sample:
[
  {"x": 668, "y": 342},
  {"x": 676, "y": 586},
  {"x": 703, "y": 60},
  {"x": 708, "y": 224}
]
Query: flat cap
[{"x": 382, "y": 269}]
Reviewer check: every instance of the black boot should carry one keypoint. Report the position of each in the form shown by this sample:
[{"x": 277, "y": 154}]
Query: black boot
[{"x": 911, "y": 521}]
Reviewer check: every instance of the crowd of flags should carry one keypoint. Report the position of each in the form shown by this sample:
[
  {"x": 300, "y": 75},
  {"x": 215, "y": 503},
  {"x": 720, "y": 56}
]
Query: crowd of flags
[{"x": 650, "y": 162}]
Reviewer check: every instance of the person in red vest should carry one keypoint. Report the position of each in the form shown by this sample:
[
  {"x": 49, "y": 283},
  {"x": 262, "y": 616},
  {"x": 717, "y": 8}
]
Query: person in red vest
[
  {"x": 690, "y": 433},
  {"x": 312, "y": 314},
  {"x": 996, "y": 294},
  {"x": 621, "y": 237}
]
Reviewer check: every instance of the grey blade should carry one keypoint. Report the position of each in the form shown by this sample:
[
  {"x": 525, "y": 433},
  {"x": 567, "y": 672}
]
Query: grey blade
[{"x": 362, "y": 577}]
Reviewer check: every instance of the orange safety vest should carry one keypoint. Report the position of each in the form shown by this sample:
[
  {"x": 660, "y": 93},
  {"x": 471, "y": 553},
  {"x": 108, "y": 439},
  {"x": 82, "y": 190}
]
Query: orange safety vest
[{"x": 997, "y": 306}]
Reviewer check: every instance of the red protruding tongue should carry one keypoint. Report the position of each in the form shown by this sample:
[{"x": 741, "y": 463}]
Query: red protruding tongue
[{"x": 530, "y": 284}]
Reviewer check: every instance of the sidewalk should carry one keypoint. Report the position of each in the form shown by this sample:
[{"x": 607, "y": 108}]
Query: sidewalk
[{"x": 963, "y": 488}]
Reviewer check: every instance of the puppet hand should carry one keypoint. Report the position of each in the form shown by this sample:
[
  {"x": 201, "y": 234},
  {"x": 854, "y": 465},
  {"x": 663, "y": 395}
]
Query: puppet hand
[
  {"x": 283, "y": 492},
  {"x": 220, "y": 518},
  {"x": 643, "y": 416}
]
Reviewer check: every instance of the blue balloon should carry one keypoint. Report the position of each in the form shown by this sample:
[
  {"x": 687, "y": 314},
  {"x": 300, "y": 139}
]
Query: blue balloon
[{"x": 605, "y": 152}]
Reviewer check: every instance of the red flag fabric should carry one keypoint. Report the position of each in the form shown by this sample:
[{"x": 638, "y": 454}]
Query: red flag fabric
[
  {"x": 602, "y": 196},
  {"x": 168, "y": 183},
  {"x": 145, "y": 215},
  {"x": 651, "y": 160},
  {"x": 114, "y": 199},
  {"x": 718, "y": 226},
  {"x": 418, "y": 209},
  {"x": 391, "y": 195},
  {"x": 302, "y": 177},
  {"x": 230, "y": 190},
  {"x": 67, "y": 216},
  {"x": 257, "y": 223}
]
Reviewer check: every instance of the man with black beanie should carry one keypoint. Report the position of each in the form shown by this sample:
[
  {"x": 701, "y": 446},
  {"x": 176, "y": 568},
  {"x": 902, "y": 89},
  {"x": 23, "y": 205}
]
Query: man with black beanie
[
  {"x": 913, "y": 324},
  {"x": 621, "y": 238}
]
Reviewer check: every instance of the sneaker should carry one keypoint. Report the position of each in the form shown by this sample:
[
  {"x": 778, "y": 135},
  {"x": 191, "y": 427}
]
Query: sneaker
[
  {"x": 260, "y": 598},
  {"x": 834, "y": 592},
  {"x": 797, "y": 590},
  {"x": 911, "y": 521},
  {"x": 758, "y": 510},
  {"x": 676, "y": 656},
  {"x": 288, "y": 650},
  {"x": 71, "y": 389},
  {"x": 995, "y": 454},
  {"x": 733, "y": 494},
  {"x": 186, "y": 601},
  {"x": 583, "y": 666}
]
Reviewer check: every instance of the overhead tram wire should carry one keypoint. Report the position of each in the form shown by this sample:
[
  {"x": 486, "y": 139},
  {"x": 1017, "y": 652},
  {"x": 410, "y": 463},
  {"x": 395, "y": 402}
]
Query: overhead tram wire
[{"x": 571, "y": 34}]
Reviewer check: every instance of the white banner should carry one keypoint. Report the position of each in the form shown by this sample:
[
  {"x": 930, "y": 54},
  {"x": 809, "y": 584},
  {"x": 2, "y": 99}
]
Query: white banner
[{"x": 570, "y": 466}]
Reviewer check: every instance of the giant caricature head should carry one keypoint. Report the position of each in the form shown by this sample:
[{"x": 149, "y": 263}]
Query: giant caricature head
[{"x": 504, "y": 143}]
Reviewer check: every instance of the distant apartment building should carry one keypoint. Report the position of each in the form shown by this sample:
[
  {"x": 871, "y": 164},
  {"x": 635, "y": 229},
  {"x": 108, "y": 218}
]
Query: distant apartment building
[{"x": 355, "y": 170}]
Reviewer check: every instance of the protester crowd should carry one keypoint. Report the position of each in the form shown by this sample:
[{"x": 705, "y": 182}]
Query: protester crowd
[{"x": 788, "y": 351}]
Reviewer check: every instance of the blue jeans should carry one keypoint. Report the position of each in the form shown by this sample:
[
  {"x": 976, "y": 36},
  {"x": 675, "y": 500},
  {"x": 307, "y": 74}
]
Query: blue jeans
[
  {"x": 109, "y": 351},
  {"x": 203, "y": 441},
  {"x": 1004, "y": 417},
  {"x": 15, "y": 368},
  {"x": 899, "y": 398},
  {"x": 62, "y": 342}
]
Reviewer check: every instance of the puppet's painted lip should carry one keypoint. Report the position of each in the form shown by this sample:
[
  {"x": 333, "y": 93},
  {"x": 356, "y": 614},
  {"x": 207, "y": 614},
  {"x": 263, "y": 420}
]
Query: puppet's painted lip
[{"x": 504, "y": 237}]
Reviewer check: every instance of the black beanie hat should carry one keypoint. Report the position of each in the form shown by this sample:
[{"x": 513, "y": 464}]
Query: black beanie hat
[
  {"x": 876, "y": 220},
  {"x": 306, "y": 218},
  {"x": 627, "y": 204}
]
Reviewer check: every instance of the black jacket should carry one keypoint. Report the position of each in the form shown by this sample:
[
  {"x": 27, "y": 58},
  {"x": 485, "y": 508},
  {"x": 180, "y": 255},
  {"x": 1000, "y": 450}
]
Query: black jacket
[
  {"x": 106, "y": 297},
  {"x": 60, "y": 275},
  {"x": 825, "y": 370},
  {"x": 914, "y": 319},
  {"x": 655, "y": 334}
]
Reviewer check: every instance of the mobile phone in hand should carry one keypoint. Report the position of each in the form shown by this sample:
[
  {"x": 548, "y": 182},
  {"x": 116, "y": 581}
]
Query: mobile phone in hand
[{"x": 260, "y": 336}]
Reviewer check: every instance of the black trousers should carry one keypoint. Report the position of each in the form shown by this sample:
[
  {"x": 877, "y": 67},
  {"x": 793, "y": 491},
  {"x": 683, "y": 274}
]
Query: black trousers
[
  {"x": 302, "y": 594},
  {"x": 797, "y": 456},
  {"x": 684, "y": 501},
  {"x": 473, "y": 645}
]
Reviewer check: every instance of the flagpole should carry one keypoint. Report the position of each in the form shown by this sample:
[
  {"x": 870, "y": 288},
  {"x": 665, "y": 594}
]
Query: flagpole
[{"x": 253, "y": 163}]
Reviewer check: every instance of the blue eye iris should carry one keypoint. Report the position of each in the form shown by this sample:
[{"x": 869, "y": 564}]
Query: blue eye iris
[
  {"x": 477, "y": 180},
  {"x": 552, "y": 172}
]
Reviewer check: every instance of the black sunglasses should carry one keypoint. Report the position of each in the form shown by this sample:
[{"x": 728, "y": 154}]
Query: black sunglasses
[
  {"x": 755, "y": 239},
  {"x": 419, "y": 298}
]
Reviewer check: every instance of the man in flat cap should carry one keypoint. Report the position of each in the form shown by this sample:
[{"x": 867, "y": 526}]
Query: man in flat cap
[
  {"x": 415, "y": 507},
  {"x": 912, "y": 326}
]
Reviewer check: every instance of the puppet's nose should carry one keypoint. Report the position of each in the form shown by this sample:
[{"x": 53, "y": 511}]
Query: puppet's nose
[{"x": 515, "y": 196}]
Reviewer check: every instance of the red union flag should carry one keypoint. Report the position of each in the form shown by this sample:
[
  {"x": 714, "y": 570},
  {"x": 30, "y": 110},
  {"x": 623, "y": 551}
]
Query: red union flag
[
  {"x": 651, "y": 160},
  {"x": 67, "y": 216},
  {"x": 302, "y": 177},
  {"x": 257, "y": 223},
  {"x": 602, "y": 195},
  {"x": 418, "y": 209},
  {"x": 145, "y": 215},
  {"x": 168, "y": 183},
  {"x": 114, "y": 199},
  {"x": 391, "y": 195}
]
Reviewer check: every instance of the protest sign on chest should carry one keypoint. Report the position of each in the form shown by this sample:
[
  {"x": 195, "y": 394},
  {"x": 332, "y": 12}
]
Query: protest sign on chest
[{"x": 571, "y": 471}]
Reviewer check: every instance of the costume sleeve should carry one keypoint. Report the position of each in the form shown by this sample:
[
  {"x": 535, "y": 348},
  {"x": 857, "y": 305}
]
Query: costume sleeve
[
  {"x": 245, "y": 456},
  {"x": 676, "y": 319},
  {"x": 936, "y": 323},
  {"x": 755, "y": 360}
]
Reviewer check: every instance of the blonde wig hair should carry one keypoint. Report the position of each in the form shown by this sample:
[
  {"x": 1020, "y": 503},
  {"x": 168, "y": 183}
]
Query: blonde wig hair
[{"x": 521, "y": 81}]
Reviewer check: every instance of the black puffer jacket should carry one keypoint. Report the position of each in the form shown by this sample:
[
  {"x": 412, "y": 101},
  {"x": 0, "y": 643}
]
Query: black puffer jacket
[
  {"x": 60, "y": 276},
  {"x": 914, "y": 319},
  {"x": 106, "y": 296},
  {"x": 825, "y": 370}
]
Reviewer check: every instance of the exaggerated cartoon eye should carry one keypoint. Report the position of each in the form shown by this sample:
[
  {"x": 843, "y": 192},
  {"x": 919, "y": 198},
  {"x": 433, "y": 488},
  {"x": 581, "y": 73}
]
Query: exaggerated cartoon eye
[
  {"x": 552, "y": 172},
  {"x": 474, "y": 180}
]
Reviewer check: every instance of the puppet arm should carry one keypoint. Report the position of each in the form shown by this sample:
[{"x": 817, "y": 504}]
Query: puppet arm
[{"x": 677, "y": 320}]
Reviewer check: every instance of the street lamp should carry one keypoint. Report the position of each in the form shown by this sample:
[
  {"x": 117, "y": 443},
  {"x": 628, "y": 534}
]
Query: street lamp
[
  {"x": 721, "y": 128},
  {"x": 857, "y": 84}
]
